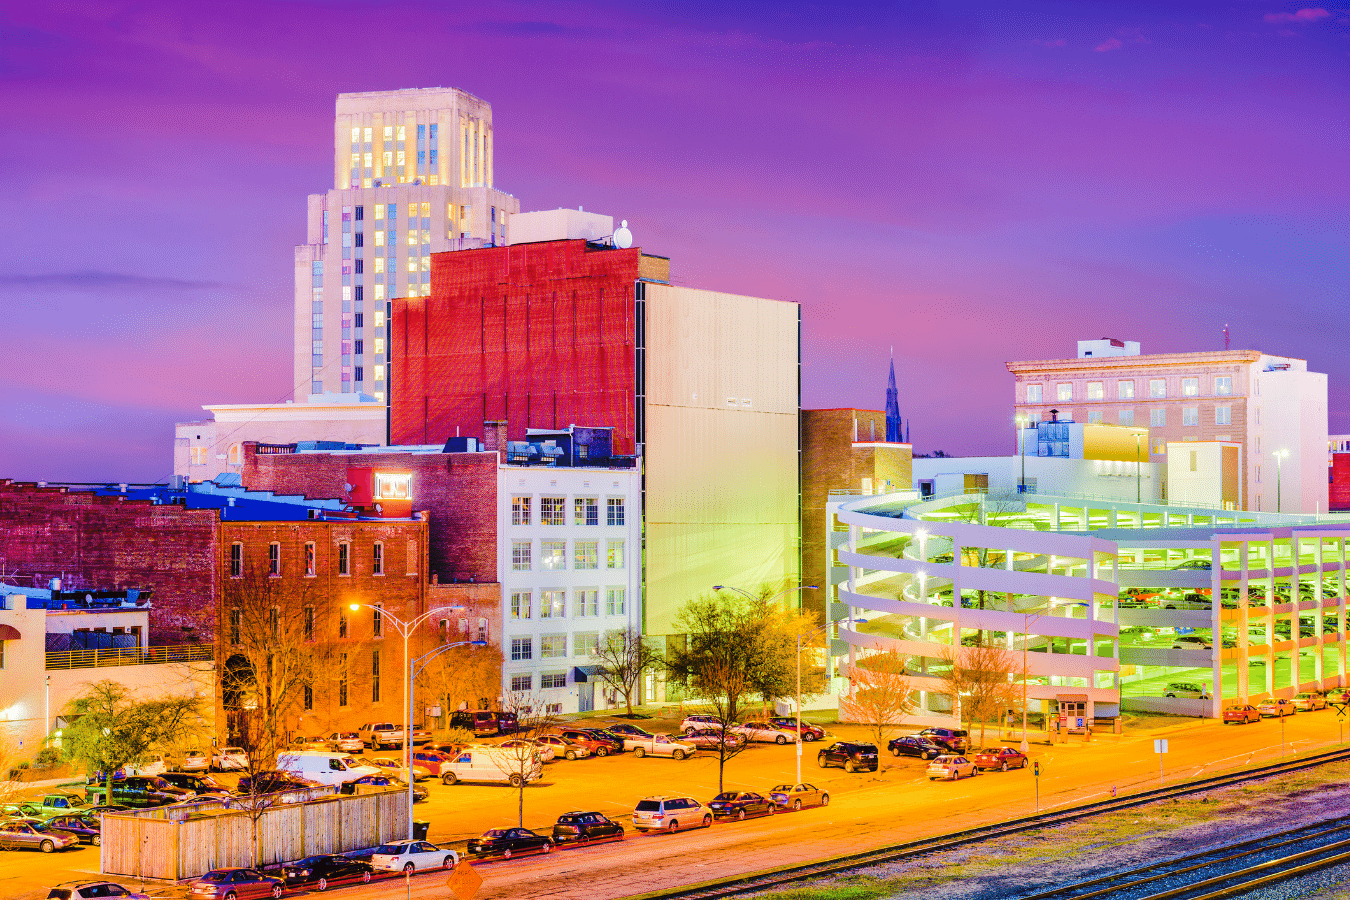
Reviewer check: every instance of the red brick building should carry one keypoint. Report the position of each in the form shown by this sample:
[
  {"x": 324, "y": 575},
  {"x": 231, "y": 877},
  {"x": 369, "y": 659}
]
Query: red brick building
[{"x": 1339, "y": 477}]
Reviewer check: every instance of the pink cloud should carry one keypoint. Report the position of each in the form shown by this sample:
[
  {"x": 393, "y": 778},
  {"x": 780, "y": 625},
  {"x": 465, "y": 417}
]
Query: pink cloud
[
  {"x": 1108, "y": 44},
  {"x": 1303, "y": 16}
]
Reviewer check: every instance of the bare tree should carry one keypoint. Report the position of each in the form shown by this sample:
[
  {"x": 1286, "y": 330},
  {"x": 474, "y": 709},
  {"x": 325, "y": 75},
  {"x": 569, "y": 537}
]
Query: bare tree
[
  {"x": 981, "y": 682},
  {"x": 465, "y": 677},
  {"x": 519, "y": 758},
  {"x": 880, "y": 694},
  {"x": 624, "y": 657}
]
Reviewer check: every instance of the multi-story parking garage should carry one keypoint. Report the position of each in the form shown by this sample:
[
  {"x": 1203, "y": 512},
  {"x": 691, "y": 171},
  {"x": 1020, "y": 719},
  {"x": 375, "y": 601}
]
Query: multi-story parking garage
[{"x": 1108, "y": 604}]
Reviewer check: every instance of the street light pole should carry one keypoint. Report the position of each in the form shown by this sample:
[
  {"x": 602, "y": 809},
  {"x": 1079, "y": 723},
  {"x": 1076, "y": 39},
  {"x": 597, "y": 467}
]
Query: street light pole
[
  {"x": 1022, "y": 451},
  {"x": 1279, "y": 480},
  {"x": 406, "y": 629},
  {"x": 1138, "y": 488}
]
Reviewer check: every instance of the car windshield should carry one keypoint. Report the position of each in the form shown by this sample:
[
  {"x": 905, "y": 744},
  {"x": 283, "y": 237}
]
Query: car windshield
[
  {"x": 729, "y": 795},
  {"x": 216, "y": 877},
  {"x": 495, "y": 833},
  {"x": 389, "y": 850},
  {"x": 782, "y": 788},
  {"x": 648, "y": 805}
]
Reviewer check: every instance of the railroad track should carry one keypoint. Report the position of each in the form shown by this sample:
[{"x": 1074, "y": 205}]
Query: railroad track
[{"x": 745, "y": 884}]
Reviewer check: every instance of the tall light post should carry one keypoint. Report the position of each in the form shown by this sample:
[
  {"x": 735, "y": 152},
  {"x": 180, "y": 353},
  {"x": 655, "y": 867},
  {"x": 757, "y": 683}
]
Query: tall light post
[
  {"x": 1026, "y": 640},
  {"x": 406, "y": 629},
  {"x": 1138, "y": 474},
  {"x": 1279, "y": 472},
  {"x": 1022, "y": 451},
  {"x": 798, "y": 704}
]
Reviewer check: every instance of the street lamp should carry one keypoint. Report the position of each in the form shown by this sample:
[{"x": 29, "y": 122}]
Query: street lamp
[
  {"x": 1137, "y": 475},
  {"x": 1026, "y": 640},
  {"x": 782, "y": 593},
  {"x": 1022, "y": 451},
  {"x": 1279, "y": 471},
  {"x": 406, "y": 629}
]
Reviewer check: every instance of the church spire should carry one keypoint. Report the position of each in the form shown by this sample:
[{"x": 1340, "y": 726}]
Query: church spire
[{"x": 892, "y": 407}]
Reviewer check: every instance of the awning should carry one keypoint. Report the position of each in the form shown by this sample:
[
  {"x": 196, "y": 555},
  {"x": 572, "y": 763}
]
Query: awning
[
  {"x": 1071, "y": 698},
  {"x": 9, "y": 632},
  {"x": 583, "y": 674}
]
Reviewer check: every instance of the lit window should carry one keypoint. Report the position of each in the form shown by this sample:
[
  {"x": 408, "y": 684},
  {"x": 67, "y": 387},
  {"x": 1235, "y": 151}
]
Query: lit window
[
  {"x": 367, "y": 137},
  {"x": 614, "y": 513},
  {"x": 1190, "y": 387},
  {"x": 402, "y": 159},
  {"x": 522, "y": 648},
  {"x": 1064, "y": 391},
  {"x": 379, "y": 242},
  {"x": 552, "y": 605},
  {"x": 520, "y": 510},
  {"x": 1190, "y": 415},
  {"x": 1094, "y": 390},
  {"x": 553, "y": 646},
  {"x": 379, "y": 210},
  {"x": 521, "y": 602},
  {"x": 379, "y": 318},
  {"x": 1223, "y": 385},
  {"x": 377, "y": 621},
  {"x": 586, "y": 555},
  {"x": 389, "y": 132},
  {"x": 379, "y": 345},
  {"x": 356, "y": 135},
  {"x": 426, "y": 208},
  {"x": 391, "y": 486},
  {"x": 520, "y": 556},
  {"x": 1125, "y": 390},
  {"x": 1033, "y": 393},
  {"x": 614, "y": 601},
  {"x": 369, "y": 160},
  {"x": 586, "y": 643},
  {"x": 523, "y": 682},
  {"x": 586, "y": 511},
  {"x": 1157, "y": 387},
  {"x": 309, "y": 560},
  {"x": 1223, "y": 415},
  {"x": 553, "y": 511},
  {"x": 402, "y": 133},
  {"x": 553, "y": 555},
  {"x": 553, "y": 680},
  {"x": 412, "y": 264},
  {"x": 379, "y": 373},
  {"x": 379, "y": 290},
  {"x": 587, "y": 602},
  {"x": 614, "y": 556}
]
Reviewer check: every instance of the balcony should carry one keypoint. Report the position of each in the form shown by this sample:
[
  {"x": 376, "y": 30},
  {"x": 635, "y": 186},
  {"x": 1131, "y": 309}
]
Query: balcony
[{"x": 129, "y": 656}]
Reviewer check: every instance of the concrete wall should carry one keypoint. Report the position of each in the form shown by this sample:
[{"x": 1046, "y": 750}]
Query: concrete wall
[
  {"x": 1294, "y": 418},
  {"x": 1072, "y": 477}
]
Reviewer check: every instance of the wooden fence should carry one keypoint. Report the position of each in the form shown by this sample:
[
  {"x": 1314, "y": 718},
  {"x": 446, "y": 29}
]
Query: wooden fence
[{"x": 165, "y": 843}]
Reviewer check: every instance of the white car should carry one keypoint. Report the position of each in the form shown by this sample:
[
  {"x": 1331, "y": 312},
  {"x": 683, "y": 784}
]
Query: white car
[
  {"x": 765, "y": 733},
  {"x": 230, "y": 759},
  {"x": 346, "y": 741},
  {"x": 562, "y": 747},
  {"x": 412, "y": 856},
  {"x": 395, "y": 767},
  {"x": 546, "y": 751},
  {"x": 658, "y": 745},
  {"x": 195, "y": 761}
]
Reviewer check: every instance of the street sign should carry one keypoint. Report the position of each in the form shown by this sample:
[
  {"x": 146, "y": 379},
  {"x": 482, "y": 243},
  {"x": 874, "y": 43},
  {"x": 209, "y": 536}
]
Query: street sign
[
  {"x": 1160, "y": 745},
  {"x": 1036, "y": 768},
  {"x": 1340, "y": 709},
  {"x": 1080, "y": 721},
  {"x": 464, "y": 881}
]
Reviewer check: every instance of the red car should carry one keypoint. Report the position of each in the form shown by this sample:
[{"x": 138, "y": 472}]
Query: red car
[
  {"x": 1004, "y": 758},
  {"x": 241, "y": 884},
  {"x": 583, "y": 737},
  {"x": 809, "y": 732},
  {"x": 1241, "y": 714},
  {"x": 431, "y": 760}
]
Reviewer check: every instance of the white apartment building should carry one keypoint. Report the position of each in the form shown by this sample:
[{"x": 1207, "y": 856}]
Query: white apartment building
[
  {"x": 569, "y": 561},
  {"x": 412, "y": 176},
  {"x": 1272, "y": 407}
]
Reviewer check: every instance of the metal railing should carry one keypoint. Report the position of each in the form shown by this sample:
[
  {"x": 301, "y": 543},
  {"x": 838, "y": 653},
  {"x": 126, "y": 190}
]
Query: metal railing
[{"x": 129, "y": 656}]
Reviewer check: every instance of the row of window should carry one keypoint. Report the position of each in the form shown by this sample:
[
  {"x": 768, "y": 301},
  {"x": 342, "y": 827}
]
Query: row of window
[
  {"x": 553, "y": 555},
  {"x": 553, "y": 511},
  {"x": 554, "y": 646},
  {"x": 553, "y": 603},
  {"x": 467, "y": 630},
  {"x": 1157, "y": 389},
  {"x": 1157, "y": 418},
  {"x": 524, "y": 681},
  {"x": 311, "y": 559}
]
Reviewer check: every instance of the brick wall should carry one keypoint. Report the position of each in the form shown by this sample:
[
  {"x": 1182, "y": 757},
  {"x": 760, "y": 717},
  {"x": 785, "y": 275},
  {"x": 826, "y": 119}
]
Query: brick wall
[
  {"x": 111, "y": 542},
  {"x": 1340, "y": 482}
]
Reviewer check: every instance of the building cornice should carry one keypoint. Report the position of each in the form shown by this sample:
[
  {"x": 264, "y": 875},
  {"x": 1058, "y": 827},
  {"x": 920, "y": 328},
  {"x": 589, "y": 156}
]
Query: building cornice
[{"x": 1151, "y": 360}]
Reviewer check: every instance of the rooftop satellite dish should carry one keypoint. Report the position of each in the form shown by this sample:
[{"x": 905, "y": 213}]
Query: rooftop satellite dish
[{"x": 623, "y": 238}]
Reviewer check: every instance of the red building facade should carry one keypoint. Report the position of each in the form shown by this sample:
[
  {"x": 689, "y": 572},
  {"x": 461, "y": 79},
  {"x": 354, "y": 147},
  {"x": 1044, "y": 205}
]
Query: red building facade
[{"x": 1339, "y": 489}]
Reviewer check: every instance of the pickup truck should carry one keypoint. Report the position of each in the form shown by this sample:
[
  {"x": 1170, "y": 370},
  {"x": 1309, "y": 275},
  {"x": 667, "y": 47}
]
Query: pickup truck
[
  {"x": 381, "y": 735},
  {"x": 51, "y": 804},
  {"x": 658, "y": 745},
  {"x": 139, "y": 791}
]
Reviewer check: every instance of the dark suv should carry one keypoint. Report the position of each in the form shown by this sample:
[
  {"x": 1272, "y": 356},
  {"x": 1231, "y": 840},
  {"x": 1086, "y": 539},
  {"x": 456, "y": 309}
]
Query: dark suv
[
  {"x": 852, "y": 757},
  {"x": 915, "y": 746},
  {"x": 583, "y": 827},
  {"x": 954, "y": 740},
  {"x": 482, "y": 722},
  {"x": 139, "y": 791}
]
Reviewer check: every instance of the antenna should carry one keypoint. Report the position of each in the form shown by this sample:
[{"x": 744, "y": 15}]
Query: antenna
[
  {"x": 623, "y": 238},
  {"x": 1226, "y": 336}
]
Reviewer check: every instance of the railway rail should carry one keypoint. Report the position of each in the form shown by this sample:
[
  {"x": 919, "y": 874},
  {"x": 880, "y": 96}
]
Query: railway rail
[{"x": 755, "y": 882}]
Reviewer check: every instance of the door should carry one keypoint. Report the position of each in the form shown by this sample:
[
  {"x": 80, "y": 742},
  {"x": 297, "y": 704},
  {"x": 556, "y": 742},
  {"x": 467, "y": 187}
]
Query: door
[{"x": 585, "y": 697}]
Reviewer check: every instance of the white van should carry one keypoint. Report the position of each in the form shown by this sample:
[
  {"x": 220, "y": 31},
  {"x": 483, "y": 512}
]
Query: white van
[
  {"x": 492, "y": 764},
  {"x": 325, "y": 768}
]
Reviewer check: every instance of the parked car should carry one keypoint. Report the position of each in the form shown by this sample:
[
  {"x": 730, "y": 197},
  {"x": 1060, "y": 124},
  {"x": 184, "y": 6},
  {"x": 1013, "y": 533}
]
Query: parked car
[
  {"x": 713, "y": 738},
  {"x": 659, "y": 745},
  {"x": 229, "y": 759},
  {"x": 584, "y": 827},
  {"x": 795, "y": 796},
  {"x": 849, "y": 755},
  {"x": 491, "y": 764},
  {"x": 564, "y": 748},
  {"x": 766, "y": 733},
  {"x": 269, "y": 782},
  {"x": 739, "y": 804},
  {"x": 324, "y": 766},
  {"x": 381, "y": 735},
  {"x": 30, "y": 834},
  {"x": 1191, "y": 642},
  {"x": 156, "y": 764},
  {"x": 1003, "y": 759},
  {"x": 913, "y": 745},
  {"x": 51, "y": 804},
  {"x": 955, "y": 740},
  {"x": 809, "y": 732},
  {"x": 386, "y": 781},
  {"x": 430, "y": 760},
  {"x": 482, "y": 722},
  {"x": 1188, "y": 689},
  {"x": 625, "y": 729},
  {"x": 388, "y": 766},
  {"x": 545, "y": 751},
  {"x": 670, "y": 814},
  {"x": 1307, "y": 701},
  {"x": 1276, "y": 708},
  {"x": 347, "y": 742},
  {"x": 321, "y": 871},
  {"x": 1194, "y": 564},
  {"x": 420, "y": 737},
  {"x": 1241, "y": 714},
  {"x": 194, "y": 761},
  {"x": 234, "y": 884},
  {"x": 317, "y": 742},
  {"x": 94, "y": 890},
  {"x": 201, "y": 785},
  {"x": 598, "y": 746},
  {"x": 140, "y": 791},
  {"x": 614, "y": 740},
  {"x": 84, "y": 826},
  {"x": 1338, "y": 695},
  {"x": 412, "y": 856},
  {"x": 950, "y": 766},
  {"x": 507, "y": 842},
  {"x": 700, "y": 722}
]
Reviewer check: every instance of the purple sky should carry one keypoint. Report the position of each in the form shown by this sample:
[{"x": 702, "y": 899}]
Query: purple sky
[{"x": 971, "y": 183}]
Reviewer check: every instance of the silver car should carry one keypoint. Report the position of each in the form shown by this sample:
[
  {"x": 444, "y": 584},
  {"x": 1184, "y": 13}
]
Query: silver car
[{"x": 670, "y": 814}]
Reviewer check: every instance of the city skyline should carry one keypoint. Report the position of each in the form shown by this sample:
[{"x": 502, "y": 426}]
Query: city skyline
[{"x": 972, "y": 185}]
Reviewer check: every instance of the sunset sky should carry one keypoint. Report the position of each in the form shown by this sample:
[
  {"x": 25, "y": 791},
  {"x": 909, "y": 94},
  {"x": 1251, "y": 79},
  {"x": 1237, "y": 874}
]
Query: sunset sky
[{"x": 968, "y": 183}]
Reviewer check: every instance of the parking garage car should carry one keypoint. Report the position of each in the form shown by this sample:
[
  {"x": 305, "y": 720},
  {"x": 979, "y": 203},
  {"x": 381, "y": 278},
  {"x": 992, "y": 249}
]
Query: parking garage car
[
  {"x": 1240, "y": 714},
  {"x": 1276, "y": 708},
  {"x": 1307, "y": 701}
]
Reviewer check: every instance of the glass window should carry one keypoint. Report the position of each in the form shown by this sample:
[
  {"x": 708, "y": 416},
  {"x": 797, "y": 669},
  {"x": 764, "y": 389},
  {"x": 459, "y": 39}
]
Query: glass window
[
  {"x": 274, "y": 558},
  {"x": 553, "y": 511},
  {"x": 1094, "y": 417},
  {"x": 1125, "y": 390},
  {"x": 236, "y": 626},
  {"x": 614, "y": 555},
  {"x": 520, "y": 510},
  {"x": 1190, "y": 387},
  {"x": 587, "y": 511},
  {"x": 374, "y": 676},
  {"x": 1095, "y": 391},
  {"x": 614, "y": 601},
  {"x": 553, "y": 605},
  {"x": 587, "y": 554},
  {"x": 522, "y": 648},
  {"x": 586, "y": 643},
  {"x": 1157, "y": 387},
  {"x": 1190, "y": 415},
  {"x": 553, "y": 680},
  {"x": 521, "y": 601},
  {"x": 342, "y": 622},
  {"x": 1064, "y": 391},
  {"x": 236, "y": 560},
  {"x": 520, "y": 556},
  {"x": 553, "y": 555},
  {"x": 377, "y": 621},
  {"x": 309, "y": 559},
  {"x": 309, "y": 623},
  {"x": 553, "y": 646},
  {"x": 1223, "y": 415},
  {"x": 586, "y": 602},
  {"x": 1223, "y": 385},
  {"x": 344, "y": 558},
  {"x": 1127, "y": 417},
  {"x": 614, "y": 512},
  {"x": 1157, "y": 418},
  {"x": 377, "y": 559},
  {"x": 524, "y": 682},
  {"x": 1033, "y": 393}
]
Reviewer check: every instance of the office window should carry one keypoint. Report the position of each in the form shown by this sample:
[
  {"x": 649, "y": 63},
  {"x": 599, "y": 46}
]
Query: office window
[
  {"x": 236, "y": 560},
  {"x": 586, "y": 643},
  {"x": 1125, "y": 390},
  {"x": 553, "y": 604},
  {"x": 1127, "y": 417},
  {"x": 1095, "y": 391},
  {"x": 309, "y": 697},
  {"x": 309, "y": 559},
  {"x": 377, "y": 558},
  {"x": 274, "y": 622},
  {"x": 274, "y": 558},
  {"x": 1190, "y": 387},
  {"x": 521, "y": 601},
  {"x": 553, "y": 555},
  {"x": 520, "y": 510},
  {"x": 553, "y": 680},
  {"x": 523, "y": 683},
  {"x": 374, "y": 676},
  {"x": 587, "y": 511},
  {"x": 308, "y": 619},
  {"x": 1064, "y": 391},
  {"x": 614, "y": 601},
  {"x": 377, "y": 621},
  {"x": 1223, "y": 415},
  {"x": 1157, "y": 418},
  {"x": 342, "y": 621},
  {"x": 614, "y": 555},
  {"x": 553, "y": 646},
  {"x": 1094, "y": 417},
  {"x": 236, "y": 626},
  {"x": 522, "y": 648},
  {"x": 614, "y": 512},
  {"x": 1223, "y": 385},
  {"x": 586, "y": 554},
  {"x": 1190, "y": 415},
  {"x": 586, "y": 602},
  {"x": 553, "y": 511},
  {"x": 1034, "y": 393},
  {"x": 344, "y": 558},
  {"x": 1157, "y": 387},
  {"x": 342, "y": 679},
  {"x": 520, "y": 556}
]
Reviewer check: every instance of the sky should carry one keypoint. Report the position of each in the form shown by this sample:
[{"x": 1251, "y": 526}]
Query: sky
[{"x": 961, "y": 183}]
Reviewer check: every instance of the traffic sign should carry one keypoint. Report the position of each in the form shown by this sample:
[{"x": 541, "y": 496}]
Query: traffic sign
[
  {"x": 1340, "y": 709},
  {"x": 1160, "y": 745},
  {"x": 1080, "y": 721},
  {"x": 1036, "y": 768},
  {"x": 464, "y": 881}
]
